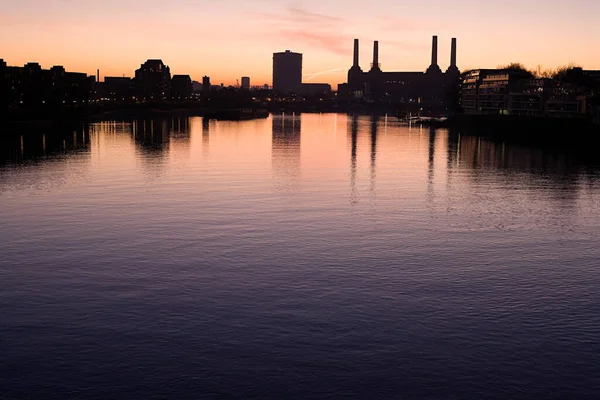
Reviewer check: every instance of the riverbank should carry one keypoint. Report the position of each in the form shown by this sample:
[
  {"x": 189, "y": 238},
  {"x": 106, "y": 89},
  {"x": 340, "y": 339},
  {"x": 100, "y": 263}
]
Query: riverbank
[
  {"x": 66, "y": 117},
  {"x": 523, "y": 129}
]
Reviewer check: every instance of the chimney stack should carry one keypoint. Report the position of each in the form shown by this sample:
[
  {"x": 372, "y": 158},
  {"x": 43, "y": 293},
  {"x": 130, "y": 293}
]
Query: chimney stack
[
  {"x": 355, "y": 53},
  {"x": 434, "y": 51},
  {"x": 98, "y": 75},
  {"x": 375, "y": 55},
  {"x": 453, "y": 53}
]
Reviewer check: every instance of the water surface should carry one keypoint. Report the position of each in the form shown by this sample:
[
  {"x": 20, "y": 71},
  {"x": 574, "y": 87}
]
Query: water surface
[{"x": 300, "y": 256}]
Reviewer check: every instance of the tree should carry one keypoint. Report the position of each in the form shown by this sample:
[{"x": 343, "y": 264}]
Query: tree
[
  {"x": 515, "y": 66},
  {"x": 570, "y": 73}
]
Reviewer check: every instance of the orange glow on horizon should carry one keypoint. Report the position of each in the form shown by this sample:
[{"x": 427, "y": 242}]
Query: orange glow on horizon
[{"x": 230, "y": 39}]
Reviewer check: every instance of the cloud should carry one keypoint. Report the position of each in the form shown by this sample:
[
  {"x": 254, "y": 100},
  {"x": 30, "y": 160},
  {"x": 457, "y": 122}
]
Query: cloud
[
  {"x": 335, "y": 43},
  {"x": 297, "y": 25},
  {"x": 302, "y": 15},
  {"x": 308, "y": 77}
]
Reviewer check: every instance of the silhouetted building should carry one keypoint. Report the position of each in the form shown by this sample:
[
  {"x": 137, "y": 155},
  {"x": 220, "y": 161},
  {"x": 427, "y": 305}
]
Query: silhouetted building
[
  {"x": 516, "y": 92},
  {"x": 246, "y": 82},
  {"x": 530, "y": 96},
  {"x": 153, "y": 81},
  {"x": 196, "y": 87},
  {"x": 433, "y": 88},
  {"x": 486, "y": 91},
  {"x": 93, "y": 87},
  {"x": 32, "y": 86},
  {"x": 206, "y": 85},
  {"x": 5, "y": 85},
  {"x": 117, "y": 88},
  {"x": 315, "y": 89},
  {"x": 181, "y": 87},
  {"x": 287, "y": 72}
]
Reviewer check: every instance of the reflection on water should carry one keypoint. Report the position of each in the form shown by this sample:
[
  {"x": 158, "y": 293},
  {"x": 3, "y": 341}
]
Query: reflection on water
[
  {"x": 152, "y": 136},
  {"x": 318, "y": 255},
  {"x": 353, "y": 130},
  {"x": 43, "y": 144},
  {"x": 286, "y": 133}
]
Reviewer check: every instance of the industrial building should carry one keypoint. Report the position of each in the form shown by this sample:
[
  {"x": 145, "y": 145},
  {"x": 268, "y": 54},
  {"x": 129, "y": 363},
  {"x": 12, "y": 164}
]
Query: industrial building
[
  {"x": 287, "y": 72},
  {"x": 432, "y": 88}
]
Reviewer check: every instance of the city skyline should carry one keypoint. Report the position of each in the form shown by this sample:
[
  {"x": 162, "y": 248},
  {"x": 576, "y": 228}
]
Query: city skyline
[{"x": 229, "y": 39}]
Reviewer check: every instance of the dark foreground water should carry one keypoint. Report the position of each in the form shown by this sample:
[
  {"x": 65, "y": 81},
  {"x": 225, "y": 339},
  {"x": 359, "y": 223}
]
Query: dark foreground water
[{"x": 313, "y": 256}]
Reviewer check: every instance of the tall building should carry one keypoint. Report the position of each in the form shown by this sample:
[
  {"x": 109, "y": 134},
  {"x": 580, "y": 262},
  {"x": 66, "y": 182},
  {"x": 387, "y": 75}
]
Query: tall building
[
  {"x": 287, "y": 72},
  {"x": 245, "y": 82},
  {"x": 206, "y": 85},
  {"x": 153, "y": 81}
]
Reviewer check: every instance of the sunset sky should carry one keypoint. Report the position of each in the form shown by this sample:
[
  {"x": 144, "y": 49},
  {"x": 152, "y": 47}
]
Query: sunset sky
[{"x": 227, "y": 39}]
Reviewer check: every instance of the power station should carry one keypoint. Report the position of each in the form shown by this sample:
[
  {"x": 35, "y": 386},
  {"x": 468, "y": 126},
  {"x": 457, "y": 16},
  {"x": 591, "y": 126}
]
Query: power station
[{"x": 432, "y": 88}]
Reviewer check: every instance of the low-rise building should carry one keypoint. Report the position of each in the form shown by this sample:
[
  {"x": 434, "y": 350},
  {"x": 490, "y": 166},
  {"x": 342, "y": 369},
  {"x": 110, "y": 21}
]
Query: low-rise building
[
  {"x": 33, "y": 86},
  {"x": 315, "y": 89},
  {"x": 181, "y": 87},
  {"x": 487, "y": 91},
  {"x": 117, "y": 88}
]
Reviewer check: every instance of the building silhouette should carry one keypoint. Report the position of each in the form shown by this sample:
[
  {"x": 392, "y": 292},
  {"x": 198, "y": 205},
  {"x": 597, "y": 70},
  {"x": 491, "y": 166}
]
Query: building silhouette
[
  {"x": 153, "y": 81},
  {"x": 315, "y": 89},
  {"x": 245, "y": 82},
  {"x": 32, "y": 86},
  {"x": 433, "y": 88},
  {"x": 287, "y": 72},
  {"x": 181, "y": 87},
  {"x": 206, "y": 85},
  {"x": 515, "y": 91},
  {"x": 117, "y": 88}
]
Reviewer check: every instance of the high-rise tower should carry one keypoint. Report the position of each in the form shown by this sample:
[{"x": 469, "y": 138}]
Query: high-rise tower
[{"x": 287, "y": 72}]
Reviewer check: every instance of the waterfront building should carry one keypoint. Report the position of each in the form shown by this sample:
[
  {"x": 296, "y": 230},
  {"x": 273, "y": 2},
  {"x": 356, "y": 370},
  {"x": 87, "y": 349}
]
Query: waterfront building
[
  {"x": 153, "y": 81},
  {"x": 516, "y": 92},
  {"x": 487, "y": 91},
  {"x": 315, "y": 89},
  {"x": 32, "y": 86},
  {"x": 287, "y": 72},
  {"x": 432, "y": 88},
  {"x": 181, "y": 87},
  {"x": 118, "y": 88}
]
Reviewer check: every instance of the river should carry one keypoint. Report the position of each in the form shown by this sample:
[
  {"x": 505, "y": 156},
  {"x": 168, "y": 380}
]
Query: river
[{"x": 298, "y": 256}]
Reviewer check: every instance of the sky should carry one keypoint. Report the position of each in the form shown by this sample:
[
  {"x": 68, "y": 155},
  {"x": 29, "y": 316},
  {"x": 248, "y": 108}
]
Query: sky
[{"x": 228, "y": 39}]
